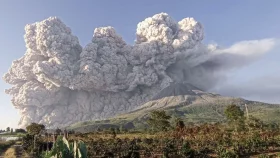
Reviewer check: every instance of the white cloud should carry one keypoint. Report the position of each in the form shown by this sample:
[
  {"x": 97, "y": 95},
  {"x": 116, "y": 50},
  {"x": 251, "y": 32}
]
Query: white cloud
[{"x": 252, "y": 47}]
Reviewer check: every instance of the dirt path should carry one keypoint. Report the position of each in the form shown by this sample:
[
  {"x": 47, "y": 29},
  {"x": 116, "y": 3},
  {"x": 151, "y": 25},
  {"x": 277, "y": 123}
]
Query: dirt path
[
  {"x": 9, "y": 153},
  {"x": 15, "y": 151}
]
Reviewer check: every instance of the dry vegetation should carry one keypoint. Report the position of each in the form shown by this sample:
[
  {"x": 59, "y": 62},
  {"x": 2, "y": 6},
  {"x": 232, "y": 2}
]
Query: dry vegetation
[
  {"x": 240, "y": 137},
  {"x": 10, "y": 153},
  {"x": 199, "y": 141}
]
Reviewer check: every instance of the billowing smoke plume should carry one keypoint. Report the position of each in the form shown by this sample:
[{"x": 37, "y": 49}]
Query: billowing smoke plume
[{"x": 57, "y": 82}]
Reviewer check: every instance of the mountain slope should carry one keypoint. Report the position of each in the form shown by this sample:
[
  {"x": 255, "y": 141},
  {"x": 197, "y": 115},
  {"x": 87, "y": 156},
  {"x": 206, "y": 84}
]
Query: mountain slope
[
  {"x": 188, "y": 102},
  {"x": 177, "y": 89}
]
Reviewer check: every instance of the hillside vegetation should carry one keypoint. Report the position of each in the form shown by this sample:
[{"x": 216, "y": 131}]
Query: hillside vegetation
[{"x": 195, "y": 109}]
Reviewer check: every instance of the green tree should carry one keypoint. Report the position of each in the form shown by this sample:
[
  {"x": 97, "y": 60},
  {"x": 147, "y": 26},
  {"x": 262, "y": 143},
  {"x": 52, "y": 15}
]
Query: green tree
[
  {"x": 233, "y": 113},
  {"x": 34, "y": 128},
  {"x": 159, "y": 120},
  {"x": 12, "y": 130},
  {"x": 20, "y": 130},
  {"x": 8, "y": 129},
  {"x": 235, "y": 117}
]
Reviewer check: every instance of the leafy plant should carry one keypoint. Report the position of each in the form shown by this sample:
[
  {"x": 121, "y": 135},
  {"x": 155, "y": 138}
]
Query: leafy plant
[{"x": 63, "y": 149}]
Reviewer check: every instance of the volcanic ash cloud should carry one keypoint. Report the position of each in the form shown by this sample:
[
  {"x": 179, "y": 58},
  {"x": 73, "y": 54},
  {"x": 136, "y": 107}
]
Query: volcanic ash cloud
[{"x": 57, "y": 82}]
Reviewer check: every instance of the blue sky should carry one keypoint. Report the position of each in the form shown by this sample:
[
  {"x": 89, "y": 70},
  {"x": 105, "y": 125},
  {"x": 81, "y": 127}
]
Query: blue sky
[{"x": 225, "y": 23}]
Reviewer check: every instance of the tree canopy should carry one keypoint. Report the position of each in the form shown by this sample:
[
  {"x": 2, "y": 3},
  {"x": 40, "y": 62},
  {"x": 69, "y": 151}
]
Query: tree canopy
[
  {"x": 20, "y": 130},
  {"x": 233, "y": 113},
  {"x": 34, "y": 128},
  {"x": 159, "y": 120}
]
